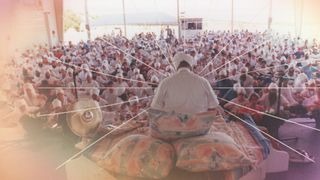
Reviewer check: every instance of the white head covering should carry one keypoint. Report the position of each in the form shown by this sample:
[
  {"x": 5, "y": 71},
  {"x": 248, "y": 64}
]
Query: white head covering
[
  {"x": 291, "y": 65},
  {"x": 70, "y": 84},
  {"x": 157, "y": 65},
  {"x": 169, "y": 68},
  {"x": 273, "y": 86},
  {"x": 70, "y": 70},
  {"x": 154, "y": 79},
  {"x": 118, "y": 66},
  {"x": 236, "y": 86},
  {"x": 140, "y": 76},
  {"x": 179, "y": 57},
  {"x": 120, "y": 90},
  {"x": 59, "y": 91},
  {"x": 302, "y": 77},
  {"x": 133, "y": 100},
  {"x": 283, "y": 58},
  {"x": 56, "y": 103},
  {"x": 119, "y": 75},
  {"x": 241, "y": 90},
  {"x": 95, "y": 91},
  {"x": 244, "y": 70},
  {"x": 311, "y": 81},
  {"x": 85, "y": 66},
  {"x": 232, "y": 67},
  {"x": 136, "y": 71},
  {"x": 223, "y": 73}
]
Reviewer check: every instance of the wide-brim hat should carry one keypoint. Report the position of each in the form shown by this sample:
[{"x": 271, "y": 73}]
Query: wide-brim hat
[{"x": 87, "y": 118}]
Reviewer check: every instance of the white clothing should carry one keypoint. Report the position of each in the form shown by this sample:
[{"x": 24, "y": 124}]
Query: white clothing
[{"x": 184, "y": 92}]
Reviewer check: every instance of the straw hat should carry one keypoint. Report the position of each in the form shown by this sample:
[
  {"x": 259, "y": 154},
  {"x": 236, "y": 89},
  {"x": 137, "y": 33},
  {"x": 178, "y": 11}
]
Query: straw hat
[{"x": 86, "y": 120}]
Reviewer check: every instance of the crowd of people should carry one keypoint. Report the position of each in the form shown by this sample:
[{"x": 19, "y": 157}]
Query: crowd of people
[{"x": 244, "y": 68}]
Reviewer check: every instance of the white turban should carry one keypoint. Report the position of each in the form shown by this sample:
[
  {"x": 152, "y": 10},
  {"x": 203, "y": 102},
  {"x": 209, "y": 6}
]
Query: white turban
[
  {"x": 169, "y": 68},
  {"x": 236, "y": 86},
  {"x": 302, "y": 77},
  {"x": 85, "y": 66},
  {"x": 223, "y": 73},
  {"x": 136, "y": 70},
  {"x": 154, "y": 79},
  {"x": 157, "y": 65},
  {"x": 273, "y": 86},
  {"x": 140, "y": 76},
  {"x": 133, "y": 100},
  {"x": 232, "y": 67},
  {"x": 70, "y": 70},
  {"x": 59, "y": 91},
  {"x": 244, "y": 70},
  {"x": 95, "y": 91},
  {"x": 241, "y": 90},
  {"x": 179, "y": 57},
  {"x": 311, "y": 81},
  {"x": 118, "y": 66},
  {"x": 56, "y": 103},
  {"x": 119, "y": 75},
  {"x": 120, "y": 91}
]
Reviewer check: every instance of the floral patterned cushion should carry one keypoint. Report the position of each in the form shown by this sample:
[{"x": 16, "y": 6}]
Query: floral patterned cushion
[
  {"x": 173, "y": 126},
  {"x": 140, "y": 156},
  {"x": 212, "y": 152}
]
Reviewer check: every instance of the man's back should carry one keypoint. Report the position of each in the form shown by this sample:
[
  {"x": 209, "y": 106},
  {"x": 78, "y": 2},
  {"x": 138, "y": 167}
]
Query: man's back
[{"x": 185, "y": 92}]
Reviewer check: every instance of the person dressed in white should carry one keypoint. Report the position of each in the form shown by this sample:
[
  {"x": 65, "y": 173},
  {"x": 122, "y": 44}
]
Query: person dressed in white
[{"x": 184, "y": 92}]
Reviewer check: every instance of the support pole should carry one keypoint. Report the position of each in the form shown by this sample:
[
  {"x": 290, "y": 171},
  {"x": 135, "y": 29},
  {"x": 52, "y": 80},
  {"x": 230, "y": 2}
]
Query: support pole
[
  {"x": 87, "y": 19},
  {"x": 46, "y": 19},
  {"x": 232, "y": 16},
  {"x": 270, "y": 16},
  {"x": 301, "y": 17},
  {"x": 178, "y": 19},
  {"x": 75, "y": 83},
  {"x": 124, "y": 18},
  {"x": 295, "y": 19}
]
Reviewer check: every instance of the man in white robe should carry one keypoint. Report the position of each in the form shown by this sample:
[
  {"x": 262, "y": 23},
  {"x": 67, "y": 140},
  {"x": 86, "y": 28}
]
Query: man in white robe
[{"x": 184, "y": 92}]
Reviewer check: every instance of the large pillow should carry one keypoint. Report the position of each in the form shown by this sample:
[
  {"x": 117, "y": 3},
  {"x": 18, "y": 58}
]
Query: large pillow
[
  {"x": 173, "y": 126},
  {"x": 212, "y": 152},
  {"x": 140, "y": 156},
  {"x": 101, "y": 148}
]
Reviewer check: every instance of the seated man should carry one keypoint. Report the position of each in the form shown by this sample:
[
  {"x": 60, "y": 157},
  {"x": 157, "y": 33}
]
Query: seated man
[
  {"x": 313, "y": 105},
  {"x": 240, "y": 99},
  {"x": 184, "y": 92},
  {"x": 275, "y": 106}
]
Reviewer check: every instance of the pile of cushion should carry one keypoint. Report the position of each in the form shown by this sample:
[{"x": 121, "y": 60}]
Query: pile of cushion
[{"x": 146, "y": 156}]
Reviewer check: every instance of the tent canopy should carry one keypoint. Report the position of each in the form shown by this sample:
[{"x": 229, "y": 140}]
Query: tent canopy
[{"x": 151, "y": 18}]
